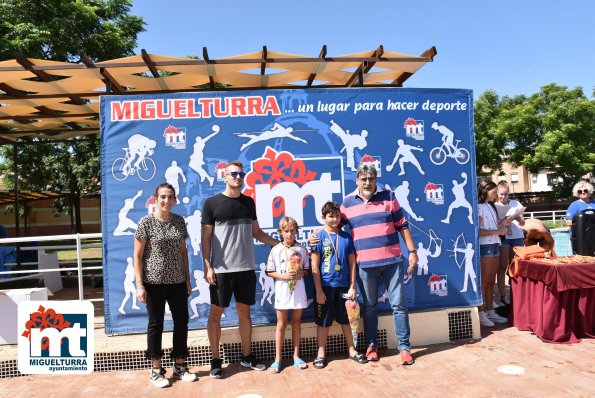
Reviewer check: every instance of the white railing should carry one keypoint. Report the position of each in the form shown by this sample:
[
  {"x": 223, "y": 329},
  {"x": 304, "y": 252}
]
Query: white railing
[
  {"x": 78, "y": 238},
  {"x": 552, "y": 215}
]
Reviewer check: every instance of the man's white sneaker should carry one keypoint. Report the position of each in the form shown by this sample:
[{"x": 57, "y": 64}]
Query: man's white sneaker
[
  {"x": 182, "y": 373},
  {"x": 494, "y": 317},
  {"x": 158, "y": 378},
  {"x": 484, "y": 320}
]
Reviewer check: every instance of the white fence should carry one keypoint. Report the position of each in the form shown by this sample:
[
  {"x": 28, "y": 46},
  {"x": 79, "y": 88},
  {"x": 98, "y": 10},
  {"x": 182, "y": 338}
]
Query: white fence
[
  {"x": 555, "y": 215},
  {"x": 15, "y": 275},
  {"x": 34, "y": 273}
]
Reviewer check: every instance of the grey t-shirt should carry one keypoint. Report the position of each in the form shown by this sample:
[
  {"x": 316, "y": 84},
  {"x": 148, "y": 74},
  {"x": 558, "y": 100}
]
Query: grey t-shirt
[{"x": 232, "y": 245}]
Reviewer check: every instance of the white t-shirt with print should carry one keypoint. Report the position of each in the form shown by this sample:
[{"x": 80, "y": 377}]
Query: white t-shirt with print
[
  {"x": 488, "y": 220},
  {"x": 277, "y": 262},
  {"x": 516, "y": 231}
]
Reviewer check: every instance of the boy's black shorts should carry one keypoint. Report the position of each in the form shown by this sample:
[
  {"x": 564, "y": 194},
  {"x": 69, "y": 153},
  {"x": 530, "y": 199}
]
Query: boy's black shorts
[{"x": 334, "y": 309}]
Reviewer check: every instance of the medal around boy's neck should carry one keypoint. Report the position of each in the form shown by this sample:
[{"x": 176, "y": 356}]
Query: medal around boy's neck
[{"x": 331, "y": 229}]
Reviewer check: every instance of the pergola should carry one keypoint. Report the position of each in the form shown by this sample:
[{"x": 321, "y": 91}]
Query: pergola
[{"x": 44, "y": 101}]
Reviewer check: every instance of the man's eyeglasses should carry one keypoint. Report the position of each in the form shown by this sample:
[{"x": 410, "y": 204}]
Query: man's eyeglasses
[
  {"x": 580, "y": 191},
  {"x": 366, "y": 179},
  {"x": 236, "y": 174}
]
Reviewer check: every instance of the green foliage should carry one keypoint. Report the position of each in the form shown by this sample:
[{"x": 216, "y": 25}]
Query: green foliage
[
  {"x": 551, "y": 130},
  {"x": 488, "y": 146},
  {"x": 71, "y": 166},
  {"x": 63, "y": 29}
]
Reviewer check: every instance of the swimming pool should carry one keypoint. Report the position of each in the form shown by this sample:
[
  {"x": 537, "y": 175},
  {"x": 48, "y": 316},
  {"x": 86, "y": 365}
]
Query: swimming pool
[{"x": 562, "y": 245}]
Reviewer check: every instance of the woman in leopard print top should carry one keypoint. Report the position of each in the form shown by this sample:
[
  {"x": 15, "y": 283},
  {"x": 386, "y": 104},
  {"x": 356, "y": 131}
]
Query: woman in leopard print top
[{"x": 162, "y": 275}]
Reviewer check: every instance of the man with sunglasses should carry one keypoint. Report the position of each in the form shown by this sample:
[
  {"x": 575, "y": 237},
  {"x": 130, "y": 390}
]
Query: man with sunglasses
[
  {"x": 376, "y": 221},
  {"x": 229, "y": 226},
  {"x": 583, "y": 191}
]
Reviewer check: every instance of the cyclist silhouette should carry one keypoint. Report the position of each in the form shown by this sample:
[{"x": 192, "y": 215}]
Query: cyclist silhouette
[
  {"x": 138, "y": 145},
  {"x": 447, "y": 136}
]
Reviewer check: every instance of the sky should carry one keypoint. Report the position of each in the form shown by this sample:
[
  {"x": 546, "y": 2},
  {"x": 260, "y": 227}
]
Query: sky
[{"x": 512, "y": 47}]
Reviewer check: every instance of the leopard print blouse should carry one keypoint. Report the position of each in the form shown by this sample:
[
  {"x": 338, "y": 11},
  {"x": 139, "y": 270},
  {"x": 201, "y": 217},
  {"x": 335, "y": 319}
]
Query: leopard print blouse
[{"x": 162, "y": 258}]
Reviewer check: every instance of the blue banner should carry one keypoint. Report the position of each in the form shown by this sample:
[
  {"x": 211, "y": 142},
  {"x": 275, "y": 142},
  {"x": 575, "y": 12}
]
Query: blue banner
[{"x": 300, "y": 148}]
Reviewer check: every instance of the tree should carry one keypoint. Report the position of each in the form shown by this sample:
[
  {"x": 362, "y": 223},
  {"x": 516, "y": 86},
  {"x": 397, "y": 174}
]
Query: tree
[
  {"x": 554, "y": 130},
  {"x": 489, "y": 147},
  {"x": 71, "y": 166},
  {"x": 61, "y": 30}
]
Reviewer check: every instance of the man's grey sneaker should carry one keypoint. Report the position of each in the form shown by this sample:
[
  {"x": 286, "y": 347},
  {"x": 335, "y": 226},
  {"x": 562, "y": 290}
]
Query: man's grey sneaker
[
  {"x": 182, "y": 373},
  {"x": 158, "y": 378},
  {"x": 216, "y": 370},
  {"x": 250, "y": 362}
]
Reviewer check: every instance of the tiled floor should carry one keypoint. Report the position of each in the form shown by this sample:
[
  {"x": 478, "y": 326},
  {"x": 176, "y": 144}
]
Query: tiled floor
[{"x": 474, "y": 369}]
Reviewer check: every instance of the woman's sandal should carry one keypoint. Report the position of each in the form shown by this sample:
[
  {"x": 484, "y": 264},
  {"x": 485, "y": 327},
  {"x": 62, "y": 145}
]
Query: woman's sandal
[
  {"x": 275, "y": 367},
  {"x": 359, "y": 358},
  {"x": 299, "y": 363},
  {"x": 319, "y": 362}
]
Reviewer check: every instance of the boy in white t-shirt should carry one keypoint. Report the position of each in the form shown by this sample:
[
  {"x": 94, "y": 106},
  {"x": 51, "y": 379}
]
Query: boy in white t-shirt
[{"x": 288, "y": 262}]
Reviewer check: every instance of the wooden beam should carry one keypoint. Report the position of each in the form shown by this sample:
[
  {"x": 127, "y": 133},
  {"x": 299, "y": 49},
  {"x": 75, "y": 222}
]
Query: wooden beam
[
  {"x": 205, "y": 55},
  {"x": 112, "y": 83},
  {"x": 312, "y": 76},
  {"x": 364, "y": 68},
  {"x": 429, "y": 54},
  {"x": 44, "y": 77},
  {"x": 51, "y": 116},
  {"x": 88, "y": 62},
  {"x": 150, "y": 63}
]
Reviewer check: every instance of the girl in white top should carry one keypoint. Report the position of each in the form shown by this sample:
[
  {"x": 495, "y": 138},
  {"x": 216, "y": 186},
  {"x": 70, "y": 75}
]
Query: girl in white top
[
  {"x": 514, "y": 237},
  {"x": 489, "y": 242},
  {"x": 290, "y": 290}
]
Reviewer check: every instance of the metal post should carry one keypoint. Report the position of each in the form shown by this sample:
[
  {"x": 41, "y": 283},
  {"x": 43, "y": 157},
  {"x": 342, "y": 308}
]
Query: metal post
[
  {"x": 79, "y": 263},
  {"x": 15, "y": 170}
]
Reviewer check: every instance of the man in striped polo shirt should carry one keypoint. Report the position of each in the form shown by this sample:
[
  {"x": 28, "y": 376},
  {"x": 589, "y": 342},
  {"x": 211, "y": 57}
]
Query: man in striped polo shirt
[{"x": 376, "y": 220}]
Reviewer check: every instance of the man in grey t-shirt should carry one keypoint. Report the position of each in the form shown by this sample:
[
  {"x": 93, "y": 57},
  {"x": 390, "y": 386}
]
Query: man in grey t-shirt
[{"x": 229, "y": 226}]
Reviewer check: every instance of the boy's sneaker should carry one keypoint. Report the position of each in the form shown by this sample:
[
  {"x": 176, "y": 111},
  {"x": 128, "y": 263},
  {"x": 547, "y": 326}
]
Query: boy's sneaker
[
  {"x": 250, "y": 362},
  {"x": 182, "y": 373},
  {"x": 216, "y": 368},
  {"x": 372, "y": 353},
  {"x": 484, "y": 320},
  {"x": 406, "y": 358},
  {"x": 495, "y": 304},
  {"x": 158, "y": 378},
  {"x": 494, "y": 317},
  {"x": 506, "y": 300}
]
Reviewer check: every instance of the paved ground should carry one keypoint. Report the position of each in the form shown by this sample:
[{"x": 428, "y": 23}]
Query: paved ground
[{"x": 474, "y": 369}]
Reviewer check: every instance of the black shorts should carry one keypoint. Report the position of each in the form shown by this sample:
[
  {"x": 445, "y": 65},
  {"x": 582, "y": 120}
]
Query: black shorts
[
  {"x": 241, "y": 284},
  {"x": 334, "y": 309}
]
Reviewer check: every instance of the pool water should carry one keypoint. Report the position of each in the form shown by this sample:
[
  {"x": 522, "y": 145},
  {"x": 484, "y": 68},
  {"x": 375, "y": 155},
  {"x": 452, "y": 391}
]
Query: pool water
[{"x": 562, "y": 245}]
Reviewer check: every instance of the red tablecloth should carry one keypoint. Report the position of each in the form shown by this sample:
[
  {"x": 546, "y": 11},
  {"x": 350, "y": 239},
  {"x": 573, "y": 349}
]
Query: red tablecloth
[{"x": 556, "y": 302}]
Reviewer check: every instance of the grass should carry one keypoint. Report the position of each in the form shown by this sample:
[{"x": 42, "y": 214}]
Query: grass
[
  {"x": 69, "y": 255},
  {"x": 555, "y": 224},
  {"x": 87, "y": 254}
]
